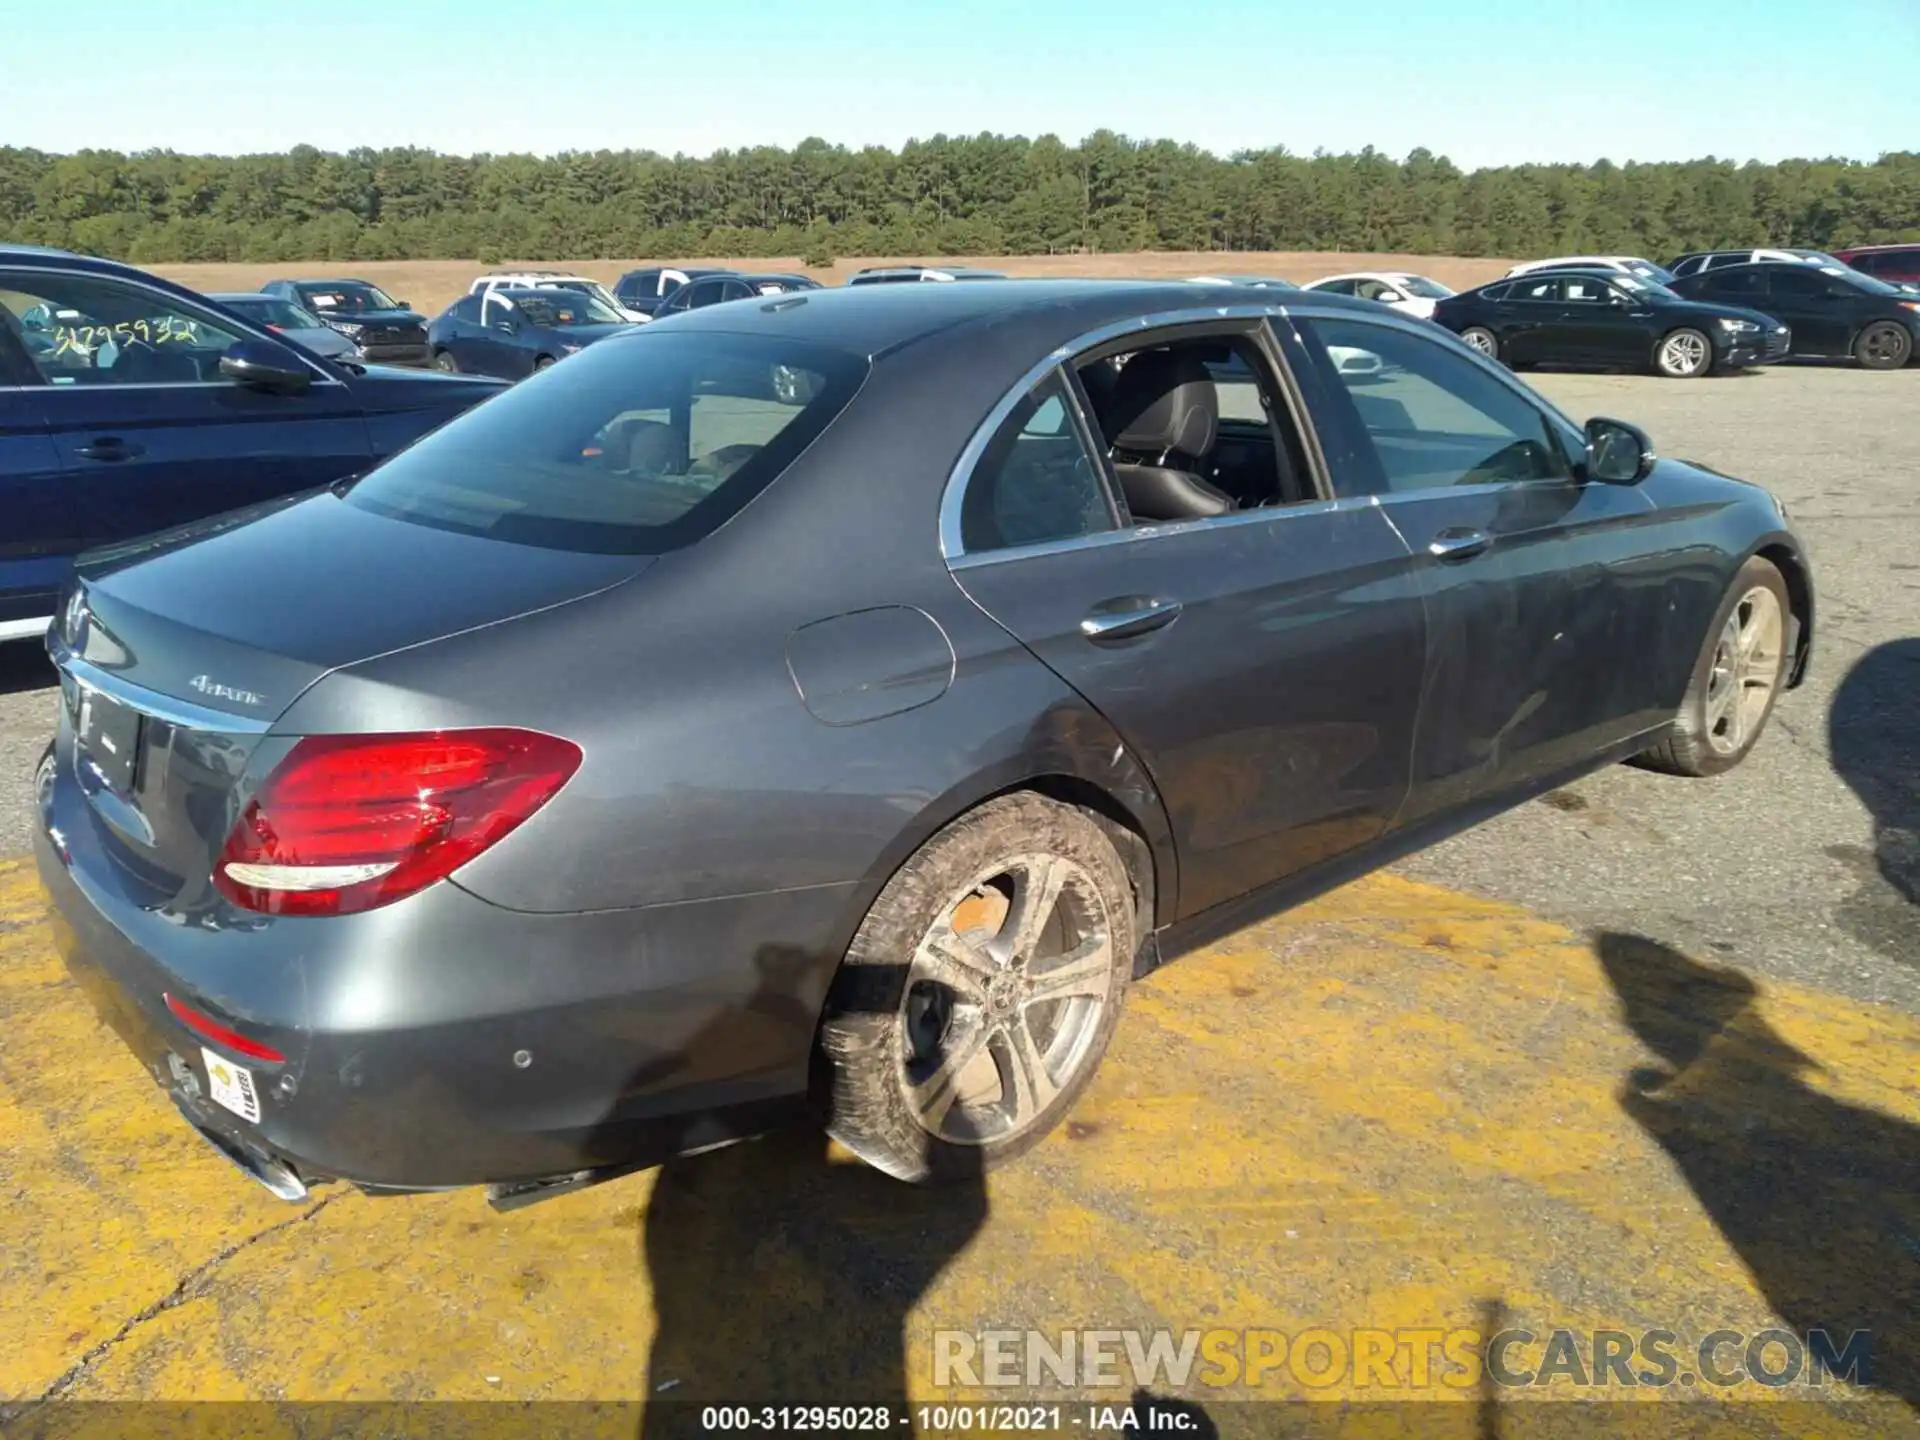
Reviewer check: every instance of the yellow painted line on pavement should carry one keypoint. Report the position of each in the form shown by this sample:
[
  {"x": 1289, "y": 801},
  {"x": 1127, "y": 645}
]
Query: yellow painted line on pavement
[{"x": 1396, "y": 1109}]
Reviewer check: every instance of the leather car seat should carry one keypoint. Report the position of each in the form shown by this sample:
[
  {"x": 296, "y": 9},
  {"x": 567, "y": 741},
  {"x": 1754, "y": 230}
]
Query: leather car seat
[{"x": 1162, "y": 417}]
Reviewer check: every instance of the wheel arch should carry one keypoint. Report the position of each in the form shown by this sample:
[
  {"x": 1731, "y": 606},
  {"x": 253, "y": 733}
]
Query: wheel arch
[
  {"x": 1793, "y": 569},
  {"x": 1109, "y": 784}
]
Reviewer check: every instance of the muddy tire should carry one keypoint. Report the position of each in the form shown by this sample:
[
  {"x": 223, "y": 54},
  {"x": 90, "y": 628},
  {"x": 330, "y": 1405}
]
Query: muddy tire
[
  {"x": 1736, "y": 680},
  {"x": 980, "y": 992}
]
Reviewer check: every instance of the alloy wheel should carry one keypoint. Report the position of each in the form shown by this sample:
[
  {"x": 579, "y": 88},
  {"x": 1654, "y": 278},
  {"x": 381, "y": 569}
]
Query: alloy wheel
[
  {"x": 1004, "y": 998},
  {"x": 1481, "y": 340},
  {"x": 1885, "y": 346},
  {"x": 1746, "y": 668},
  {"x": 1685, "y": 352}
]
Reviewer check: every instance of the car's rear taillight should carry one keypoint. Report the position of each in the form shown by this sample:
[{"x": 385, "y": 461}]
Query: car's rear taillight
[{"x": 350, "y": 822}]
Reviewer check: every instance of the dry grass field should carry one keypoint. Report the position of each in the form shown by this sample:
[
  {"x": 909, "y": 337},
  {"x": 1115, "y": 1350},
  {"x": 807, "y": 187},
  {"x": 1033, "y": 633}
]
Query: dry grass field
[{"x": 430, "y": 285}]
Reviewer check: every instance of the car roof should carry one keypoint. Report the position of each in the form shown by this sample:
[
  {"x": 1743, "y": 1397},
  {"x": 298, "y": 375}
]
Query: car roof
[
  {"x": 1027, "y": 317},
  {"x": 1889, "y": 245},
  {"x": 334, "y": 280}
]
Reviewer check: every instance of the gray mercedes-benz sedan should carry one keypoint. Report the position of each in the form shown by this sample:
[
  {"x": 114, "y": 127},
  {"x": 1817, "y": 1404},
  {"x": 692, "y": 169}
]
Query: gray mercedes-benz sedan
[{"x": 835, "y": 702}]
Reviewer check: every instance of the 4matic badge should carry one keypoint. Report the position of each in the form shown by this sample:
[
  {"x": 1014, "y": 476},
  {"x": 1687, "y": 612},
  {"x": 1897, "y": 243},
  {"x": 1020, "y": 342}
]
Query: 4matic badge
[{"x": 218, "y": 691}]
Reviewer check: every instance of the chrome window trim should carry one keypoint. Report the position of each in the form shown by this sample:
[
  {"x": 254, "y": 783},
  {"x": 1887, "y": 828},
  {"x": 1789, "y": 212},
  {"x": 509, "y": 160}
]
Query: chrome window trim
[
  {"x": 954, "y": 551},
  {"x": 1129, "y": 534},
  {"x": 214, "y": 317},
  {"x": 151, "y": 702}
]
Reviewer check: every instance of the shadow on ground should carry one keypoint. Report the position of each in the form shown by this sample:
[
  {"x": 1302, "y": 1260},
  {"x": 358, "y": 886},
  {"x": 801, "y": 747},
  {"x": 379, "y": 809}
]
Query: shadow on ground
[
  {"x": 1871, "y": 731},
  {"x": 1819, "y": 1198}
]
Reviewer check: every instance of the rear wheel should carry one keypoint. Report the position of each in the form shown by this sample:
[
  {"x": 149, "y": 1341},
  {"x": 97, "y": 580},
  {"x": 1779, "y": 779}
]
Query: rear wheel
[
  {"x": 1738, "y": 676},
  {"x": 443, "y": 361},
  {"x": 1883, "y": 346},
  {"x": 1483, "y": 340},
  {"x": 543, "y": 362},
  {"x": 1683, "y": 355},
  {"x": 975, "y": 1002}
]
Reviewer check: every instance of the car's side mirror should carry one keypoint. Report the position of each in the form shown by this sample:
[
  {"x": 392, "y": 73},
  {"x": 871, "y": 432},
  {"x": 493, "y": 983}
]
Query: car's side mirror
[
  {"x": 1617, "y": 453},
  {"x": 260, "y": 365},
  {"x": 403, "y": 305}
]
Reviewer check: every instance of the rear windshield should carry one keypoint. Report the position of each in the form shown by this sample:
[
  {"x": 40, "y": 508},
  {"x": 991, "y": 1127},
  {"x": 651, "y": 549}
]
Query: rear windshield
[{"x": 636, "y": 446}]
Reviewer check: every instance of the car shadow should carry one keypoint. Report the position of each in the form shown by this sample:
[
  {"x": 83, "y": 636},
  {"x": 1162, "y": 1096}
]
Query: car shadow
[
  {"x": 1819, "y": 1198},
  {"x": 24, "y": 666},
  {"x": 1870, "y": 729},
  {"x": 784, "y": 1271}
]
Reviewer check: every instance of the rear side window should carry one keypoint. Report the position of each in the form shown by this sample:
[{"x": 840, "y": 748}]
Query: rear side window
[
  {"x": 1037, "y": 480},
  {"x": 635, "y": 446}
]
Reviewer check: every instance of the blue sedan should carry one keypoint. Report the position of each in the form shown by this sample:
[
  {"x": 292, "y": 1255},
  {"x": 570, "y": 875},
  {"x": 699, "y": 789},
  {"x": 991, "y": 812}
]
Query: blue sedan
[
  {"x": 512, "y": 333},
  {"x": 129, "y": 405}
]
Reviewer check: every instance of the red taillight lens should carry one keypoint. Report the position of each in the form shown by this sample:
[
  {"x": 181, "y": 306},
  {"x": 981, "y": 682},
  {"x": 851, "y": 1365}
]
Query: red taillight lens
[
  {"x": 275, "y": 328},
  {"x": 213, "y": 1030},
  {"x": 350, "y": 822}
]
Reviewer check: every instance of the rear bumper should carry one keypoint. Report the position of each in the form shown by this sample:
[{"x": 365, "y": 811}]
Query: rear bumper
[{"x": 444, "y": 1041}]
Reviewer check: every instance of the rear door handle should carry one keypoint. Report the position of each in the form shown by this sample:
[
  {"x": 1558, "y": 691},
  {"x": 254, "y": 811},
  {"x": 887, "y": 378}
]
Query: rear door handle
[
  {"x": 1127, "y": 618},
  {"x": 1451, "y": 545},
  {"x": 109, "y": 447}
]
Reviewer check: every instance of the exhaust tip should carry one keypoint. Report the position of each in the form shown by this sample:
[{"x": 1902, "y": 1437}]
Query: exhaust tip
[{"x": 273, "y": 1175}]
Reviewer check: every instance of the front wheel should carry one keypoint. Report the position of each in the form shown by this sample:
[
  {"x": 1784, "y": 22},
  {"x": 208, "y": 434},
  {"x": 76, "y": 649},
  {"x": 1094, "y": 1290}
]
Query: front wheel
[
  {"x": 444, "y": 362},
  {"x": 542, "y": 363},
  {"x": 1883, "y": 346},
  {"x": 1683, "y": 355},
  {"x": 1739, "y": 674},
  {"x": 980, "y": 992},
  {"x": 1483, "y": 340}
]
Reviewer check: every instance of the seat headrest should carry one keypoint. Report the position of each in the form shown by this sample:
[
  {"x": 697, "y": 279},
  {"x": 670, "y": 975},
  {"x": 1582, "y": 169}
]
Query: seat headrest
[{"x": 1164, "y": 401}]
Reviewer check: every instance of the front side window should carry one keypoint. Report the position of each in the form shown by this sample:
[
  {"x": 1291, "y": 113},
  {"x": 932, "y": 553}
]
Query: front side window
[
  {"x": 1430, "y": 416},
  {"x": 1036, "y": 481},
  {"x": 88, "y": 330},
  {"x": 637, "y": 446}
]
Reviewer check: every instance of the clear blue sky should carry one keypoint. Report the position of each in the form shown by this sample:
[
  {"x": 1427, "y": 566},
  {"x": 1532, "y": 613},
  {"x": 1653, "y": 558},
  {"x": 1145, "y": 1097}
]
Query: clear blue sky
[{"x": 1485, "y": 82}]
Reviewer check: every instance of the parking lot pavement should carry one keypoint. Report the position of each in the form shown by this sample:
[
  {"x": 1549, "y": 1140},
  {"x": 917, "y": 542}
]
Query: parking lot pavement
[
  {"x": 1398, "y": 1109},
  {"x": 1803, "y": 864}
]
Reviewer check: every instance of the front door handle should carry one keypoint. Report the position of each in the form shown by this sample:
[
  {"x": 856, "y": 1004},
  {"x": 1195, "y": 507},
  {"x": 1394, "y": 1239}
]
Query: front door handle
[
  {"x": 109, "y": 447},
  {"x": 1459, "y": 544},
  {"x": 1125, "y": 619}
]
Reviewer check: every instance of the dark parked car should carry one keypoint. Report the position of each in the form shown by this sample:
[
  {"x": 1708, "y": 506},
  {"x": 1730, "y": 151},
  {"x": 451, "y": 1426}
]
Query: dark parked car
[
  {"x": 1895, "y": 264},
  {"x": 725, "y": 285},
  {"x": 645, "y": 756},
  {"x": 512, "y": 333},
  {"x": 129, "y": 404},
  {"x": 1608, "y": 318},
  {"x": 643, "y": 291},
  {"x": 1833, "y": 311},
  {"x": 283, "y": 317},
  {"x": 386, "y": 331}
]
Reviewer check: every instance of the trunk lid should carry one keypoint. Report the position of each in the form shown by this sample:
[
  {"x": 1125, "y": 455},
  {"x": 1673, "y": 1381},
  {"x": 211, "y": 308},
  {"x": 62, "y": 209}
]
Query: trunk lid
[{"x": 180, "y": 650}]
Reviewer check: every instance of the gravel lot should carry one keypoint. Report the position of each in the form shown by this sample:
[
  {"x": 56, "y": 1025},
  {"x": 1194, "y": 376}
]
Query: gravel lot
[{"x": 1799, "y": 864}]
